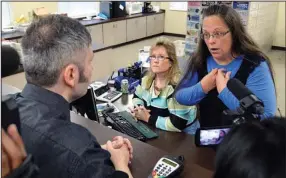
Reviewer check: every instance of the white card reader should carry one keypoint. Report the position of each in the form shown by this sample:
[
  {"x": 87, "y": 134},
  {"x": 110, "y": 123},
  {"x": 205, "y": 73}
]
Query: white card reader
[{"x": 167, "y": 167}]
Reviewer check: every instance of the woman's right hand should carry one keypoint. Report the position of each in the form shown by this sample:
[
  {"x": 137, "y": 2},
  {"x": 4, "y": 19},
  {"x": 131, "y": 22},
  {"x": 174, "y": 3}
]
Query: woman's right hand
[{"x": 209, "y": 81}]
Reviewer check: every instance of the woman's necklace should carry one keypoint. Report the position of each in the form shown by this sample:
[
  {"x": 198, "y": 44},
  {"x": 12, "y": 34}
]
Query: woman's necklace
[{"x": 156, "y": 87}]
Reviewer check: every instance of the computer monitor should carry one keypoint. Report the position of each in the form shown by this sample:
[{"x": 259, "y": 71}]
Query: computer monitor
[{"x": 87, "y": 105}]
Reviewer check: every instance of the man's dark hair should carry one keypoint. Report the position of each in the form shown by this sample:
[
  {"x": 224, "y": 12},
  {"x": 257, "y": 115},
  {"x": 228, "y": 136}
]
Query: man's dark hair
[
  {"x": 51, "y": 43},
  {"x": 253, "y": 150}
]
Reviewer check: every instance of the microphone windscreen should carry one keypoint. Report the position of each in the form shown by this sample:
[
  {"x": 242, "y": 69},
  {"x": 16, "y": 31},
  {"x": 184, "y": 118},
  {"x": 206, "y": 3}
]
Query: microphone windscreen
[{"x": 238, "y": 89}]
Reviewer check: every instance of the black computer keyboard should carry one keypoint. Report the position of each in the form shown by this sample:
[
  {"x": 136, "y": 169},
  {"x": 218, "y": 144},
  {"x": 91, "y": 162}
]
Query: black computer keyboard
[{"x": 124, "y": 122}]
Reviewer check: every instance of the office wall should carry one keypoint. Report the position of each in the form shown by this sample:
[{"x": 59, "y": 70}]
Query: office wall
[
  {"x": 279, "y": 37},
  {"x": 261, "y": 23},
  {"x": 19, "y": 8},
  {"x": 175, "y": 21},
  {"x": 16, "y": 80}
]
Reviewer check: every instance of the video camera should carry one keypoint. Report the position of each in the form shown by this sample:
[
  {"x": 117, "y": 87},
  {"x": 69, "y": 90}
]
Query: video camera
[
  {"x": 10, "y": 113},
  {"x": 249, "y": 110}
]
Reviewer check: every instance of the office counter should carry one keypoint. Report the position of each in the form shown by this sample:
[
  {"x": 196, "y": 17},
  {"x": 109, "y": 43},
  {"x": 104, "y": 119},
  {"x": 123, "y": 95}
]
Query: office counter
[
  {"x": 128, "y": 29},
  {"x": 174, "y": 143},
  {"x": 17, "y": 35},
  {"x": 146, "y": 155},
  {"x": 199, "y": 162}
]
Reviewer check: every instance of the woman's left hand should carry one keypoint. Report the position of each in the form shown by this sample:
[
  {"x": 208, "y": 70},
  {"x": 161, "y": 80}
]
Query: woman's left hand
[
  {"x": 222, "y": 79},
  {"x": 141, "y": 113}
]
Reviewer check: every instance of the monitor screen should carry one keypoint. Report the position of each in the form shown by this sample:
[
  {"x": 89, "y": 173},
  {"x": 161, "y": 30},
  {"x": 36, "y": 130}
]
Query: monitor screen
[
  {"x": 86, "y": 105},
  {"x": 213, "y": 136}
]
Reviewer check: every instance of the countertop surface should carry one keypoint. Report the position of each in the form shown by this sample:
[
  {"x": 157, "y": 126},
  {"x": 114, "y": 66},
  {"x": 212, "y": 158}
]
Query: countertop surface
[{"x": 19, "y": 34}]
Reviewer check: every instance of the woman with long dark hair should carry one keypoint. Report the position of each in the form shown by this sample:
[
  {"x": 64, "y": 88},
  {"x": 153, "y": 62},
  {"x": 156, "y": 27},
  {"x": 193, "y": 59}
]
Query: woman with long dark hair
[{"x": 225, "y": 51}]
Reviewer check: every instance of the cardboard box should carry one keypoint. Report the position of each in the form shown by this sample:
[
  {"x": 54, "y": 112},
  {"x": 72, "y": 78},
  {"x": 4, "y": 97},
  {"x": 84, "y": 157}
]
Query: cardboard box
[{"x": 39, "y": 12}]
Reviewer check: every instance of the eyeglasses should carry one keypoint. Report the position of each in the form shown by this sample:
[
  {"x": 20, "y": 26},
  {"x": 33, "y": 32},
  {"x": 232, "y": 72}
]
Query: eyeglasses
[
  {"x": 160, "y": 58},
  {"x": 216, "y": 35}
]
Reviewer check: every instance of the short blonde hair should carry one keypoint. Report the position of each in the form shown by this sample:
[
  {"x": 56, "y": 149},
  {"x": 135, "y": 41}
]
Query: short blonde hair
[{"x": 174, "y": 72}]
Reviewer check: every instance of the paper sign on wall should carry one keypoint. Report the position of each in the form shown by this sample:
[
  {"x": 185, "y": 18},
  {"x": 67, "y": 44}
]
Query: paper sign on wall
[
  {"x": 242, "y": 9},
  {"x": 179, "y": 6}
]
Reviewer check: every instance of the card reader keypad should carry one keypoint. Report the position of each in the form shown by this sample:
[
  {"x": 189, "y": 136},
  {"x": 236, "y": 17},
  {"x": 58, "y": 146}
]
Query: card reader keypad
[{"x": 163, "y": 169}]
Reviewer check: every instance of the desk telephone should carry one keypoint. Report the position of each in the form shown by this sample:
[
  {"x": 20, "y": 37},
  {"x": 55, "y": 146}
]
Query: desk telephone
[
  {"x": 167, "y": 167},
  {"x": 104, "y": 93}
]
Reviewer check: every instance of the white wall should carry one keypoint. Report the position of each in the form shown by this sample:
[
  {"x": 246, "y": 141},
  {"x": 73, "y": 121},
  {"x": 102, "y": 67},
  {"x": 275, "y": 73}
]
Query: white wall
[
  {"x": 23, "y": 8},
  {"x": 262, "y": 22},
  {"x": 264, "y": 25},
  {"x": 279, "y": 36},
  {"x": 175, "y": 21}
]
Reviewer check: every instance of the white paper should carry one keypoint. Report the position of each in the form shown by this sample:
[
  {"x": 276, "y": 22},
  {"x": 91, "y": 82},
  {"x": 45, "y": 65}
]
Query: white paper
[
  {"x": 121, "y": 7},
  {"x": 143, "y": 56},
  {"x": 179, "y": 6}
]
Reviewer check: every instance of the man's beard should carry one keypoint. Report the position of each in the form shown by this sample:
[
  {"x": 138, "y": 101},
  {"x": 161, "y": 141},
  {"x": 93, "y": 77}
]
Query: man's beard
[{"x": 82, "y": 77}]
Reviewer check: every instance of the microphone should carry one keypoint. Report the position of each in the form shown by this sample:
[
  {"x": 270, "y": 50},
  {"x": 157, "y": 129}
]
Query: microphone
[{"x": 248, "y": 101}]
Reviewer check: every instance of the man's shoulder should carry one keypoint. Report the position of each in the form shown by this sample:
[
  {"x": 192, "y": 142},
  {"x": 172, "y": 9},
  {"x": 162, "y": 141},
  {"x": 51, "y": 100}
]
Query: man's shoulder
[
  {"x": 75, "y": 138},
  {"x": 71, "y": 147},
  {"x": 63, "y": 133},
  {"x": 31, "y": 112},
  {"x": 24, "y": 102},
  {"x": 49, "y": 125}
]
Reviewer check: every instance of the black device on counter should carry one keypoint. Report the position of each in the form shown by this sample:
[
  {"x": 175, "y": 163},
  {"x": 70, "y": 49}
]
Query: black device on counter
[
  {"x": 125, "y": 123},
  {"x": 113, "y": 9},
  {"x": 211, "y": 136},
  {"x": 87, "y": 105},
  {"x": 168, "y": 167},
  {"x": 147, "y": 7},
  {"x": 10, "y": 113}
]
